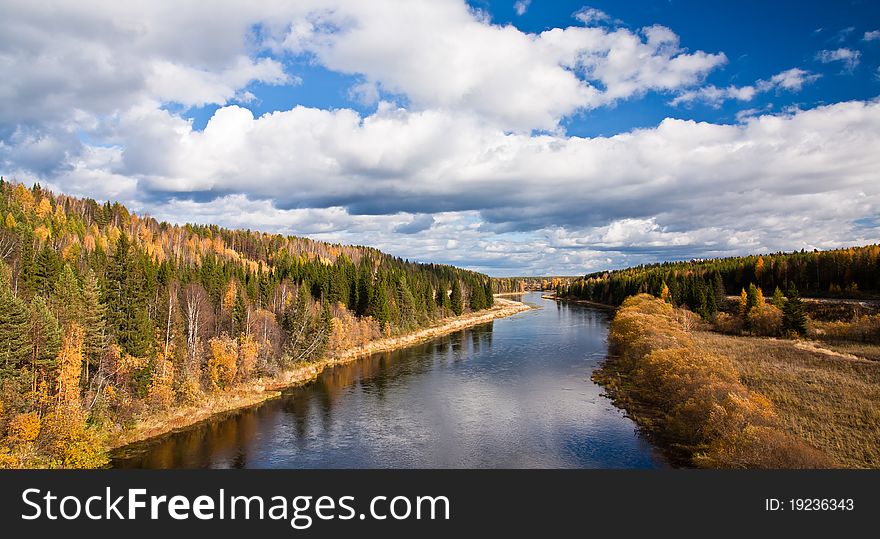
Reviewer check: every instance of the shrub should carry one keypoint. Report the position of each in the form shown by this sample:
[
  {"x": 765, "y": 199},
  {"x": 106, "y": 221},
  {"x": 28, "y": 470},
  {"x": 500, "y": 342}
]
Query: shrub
[{"x": 766, "y": 321}]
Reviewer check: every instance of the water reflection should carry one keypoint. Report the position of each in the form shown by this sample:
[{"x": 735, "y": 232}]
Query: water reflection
[{"x": 515, "y": 393}]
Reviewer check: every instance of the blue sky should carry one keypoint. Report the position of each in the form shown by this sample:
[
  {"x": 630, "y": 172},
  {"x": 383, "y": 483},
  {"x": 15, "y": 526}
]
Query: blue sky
[{"x": 511, "y": 137}]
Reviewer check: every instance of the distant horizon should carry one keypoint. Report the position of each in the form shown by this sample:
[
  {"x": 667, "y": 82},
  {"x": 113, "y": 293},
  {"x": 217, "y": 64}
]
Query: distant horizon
[{"x": 507, "y": 137}]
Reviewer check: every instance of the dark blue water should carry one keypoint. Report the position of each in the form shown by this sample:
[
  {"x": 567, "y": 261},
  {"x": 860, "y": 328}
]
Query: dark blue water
[{"x": 514, "y": 393}]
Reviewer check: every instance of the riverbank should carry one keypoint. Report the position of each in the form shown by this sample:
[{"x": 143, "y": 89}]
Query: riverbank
[
  {"x": 692, "y": 400},
  {"x": 258, "y": 391}
]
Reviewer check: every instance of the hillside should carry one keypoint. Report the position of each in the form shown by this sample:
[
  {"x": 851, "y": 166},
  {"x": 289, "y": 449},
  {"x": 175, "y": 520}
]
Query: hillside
[{"x": 106, "y": 316}]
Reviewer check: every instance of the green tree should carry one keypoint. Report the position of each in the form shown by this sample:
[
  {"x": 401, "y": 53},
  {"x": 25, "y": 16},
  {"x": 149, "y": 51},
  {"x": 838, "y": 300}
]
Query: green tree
[
  {"x": 478, "y": 298},
  {"x": 778, "y": 299},
  {"x": 93, "y": 321},
  {"x": 379, "y": 307},
  {"x": 44, "y": 335},
  {"x": 14, "y": 324},
  {"x": 456, "y": 299},
  {"x": 67, "y": 298},
  {"x": 794, "y": 317}
]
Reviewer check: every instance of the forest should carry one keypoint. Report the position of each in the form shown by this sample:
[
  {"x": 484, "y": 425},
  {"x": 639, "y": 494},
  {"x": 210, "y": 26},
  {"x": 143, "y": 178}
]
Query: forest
[
  {"x": 106, "y": 315},
  {"x": 702, "y": 284}
]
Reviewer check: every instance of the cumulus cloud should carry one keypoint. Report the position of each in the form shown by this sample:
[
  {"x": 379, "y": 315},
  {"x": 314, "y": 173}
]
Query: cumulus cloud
[
  {"x": 848, "y": 57},
  {"x": 441, "y": 56},
  {"x": 460, "y": 161},
  {"x": 873, "y": 35}
]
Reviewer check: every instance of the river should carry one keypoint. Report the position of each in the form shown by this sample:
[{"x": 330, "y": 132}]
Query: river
[{"x": 513, "y": 393}]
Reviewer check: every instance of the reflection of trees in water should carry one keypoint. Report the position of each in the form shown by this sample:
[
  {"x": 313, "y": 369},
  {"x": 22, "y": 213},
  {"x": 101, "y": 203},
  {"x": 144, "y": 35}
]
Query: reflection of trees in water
[{"x": 228, "y": 441}]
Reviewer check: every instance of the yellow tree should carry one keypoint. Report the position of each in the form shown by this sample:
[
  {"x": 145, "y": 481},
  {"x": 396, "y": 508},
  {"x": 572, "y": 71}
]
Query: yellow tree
[
  {"x": 743, "y": 303},
  {"x": 222, "y": 363},
  {"x": 44, "y": 208},
  {"x": 70, "y": 360}
]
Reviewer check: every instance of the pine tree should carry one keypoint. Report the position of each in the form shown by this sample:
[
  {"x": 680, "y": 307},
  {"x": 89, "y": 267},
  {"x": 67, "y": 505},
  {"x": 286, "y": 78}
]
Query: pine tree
[
  {"x": 379, "y": 307},
  {"x": 778, "y": 299},
  {"x": 478, "y": 298},
  {"x": 794, "y": 317},
  {"x": 456, "y": 299},
  {"x": 93, "y": 322},
  {"x": 14, "y": 324},
  {"x": 67, "y": 298},
  {"x": 365, "y": 290},
  {"x": 45, "y": 336},
  {"x": 720, "y": 292},
  {"x": 440, "y": 297}
]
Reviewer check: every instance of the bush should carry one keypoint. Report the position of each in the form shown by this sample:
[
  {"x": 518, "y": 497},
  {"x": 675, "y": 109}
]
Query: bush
[
  {"x": 766, "y": 321},
  {"x": 69, "y": 442},
  {"x": 24, "y": 428}
]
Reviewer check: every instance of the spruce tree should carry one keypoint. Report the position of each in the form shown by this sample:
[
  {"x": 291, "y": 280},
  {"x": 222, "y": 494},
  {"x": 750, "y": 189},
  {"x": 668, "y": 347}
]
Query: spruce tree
[
  {"x": 478, "y": 298},
  {"x": 794, "y": 317},
  {"x": 379, "y": 307},
  {"x": 93, "y": 322},
  {"x": 44, "y": 335},
  {"x": 778, "y": 299},
  {"x": 455, "y": 298},
  {"x": 14, "y": 324},
  {"x": 67, "y": 298}
]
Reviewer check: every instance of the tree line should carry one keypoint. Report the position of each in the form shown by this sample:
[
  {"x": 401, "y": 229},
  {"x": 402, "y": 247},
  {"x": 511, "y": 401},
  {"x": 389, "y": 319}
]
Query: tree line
[
  {"x": 105, "y": 315},
  {"x": 851, "y": 272}
]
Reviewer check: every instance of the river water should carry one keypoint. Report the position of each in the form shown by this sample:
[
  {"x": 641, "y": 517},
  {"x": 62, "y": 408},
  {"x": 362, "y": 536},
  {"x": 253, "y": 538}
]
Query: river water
[{"x": 513, "y": 393}]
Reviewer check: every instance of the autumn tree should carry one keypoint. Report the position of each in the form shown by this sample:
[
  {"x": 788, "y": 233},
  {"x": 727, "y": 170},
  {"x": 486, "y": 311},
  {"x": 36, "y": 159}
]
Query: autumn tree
[{"x": 70, "y": 362}]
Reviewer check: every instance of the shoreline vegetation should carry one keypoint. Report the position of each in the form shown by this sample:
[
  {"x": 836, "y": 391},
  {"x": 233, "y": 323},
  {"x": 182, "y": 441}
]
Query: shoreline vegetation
[
  {"x": 690, "y": 399},
  {"x": 109, "y": 319},
  {"x": 256, "y": 392}
]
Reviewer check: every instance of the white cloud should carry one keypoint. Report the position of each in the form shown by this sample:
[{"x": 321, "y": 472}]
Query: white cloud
[
  {"x": 790, "y": 80},
  {"x": 793, "y": 80},
  {"x": 849, "y": 57},
  {"x": 873, "y": 35},
  {"x": 684, "y": 188},
  {"x": 449, "y": 159},
  {"x": 590, "y": 15},
  {"x": 715, "y": 96},
  {"x": 521, "y": 6},
  {"x": 440, "y": 56}
]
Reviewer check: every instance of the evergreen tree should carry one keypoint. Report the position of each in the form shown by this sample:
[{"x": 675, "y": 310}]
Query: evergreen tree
[
  {"x": 44, "y": 334},
  {"x": 440, "y": 297},
  {"x": 379, "y": 307},
  {"x": 778, "y": 299},
  {"x": 93, "y": 322},
  {"x": 478, "y": 298},
  {"x": 455, "y": 298},
  {"x": 794, "y": 317},
  {"x": 14, "y": 324},
  {"x": 45, "y": 271},
  {"x": 365, "y": 290},
  {"x": 751, "y": 298},
  {"x": 67, "y": 299},
  {"x": 719, "y": 291}
]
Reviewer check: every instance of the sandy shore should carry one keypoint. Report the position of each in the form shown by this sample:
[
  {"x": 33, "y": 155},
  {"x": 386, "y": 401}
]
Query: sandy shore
[{"x": 257, "y": 391}]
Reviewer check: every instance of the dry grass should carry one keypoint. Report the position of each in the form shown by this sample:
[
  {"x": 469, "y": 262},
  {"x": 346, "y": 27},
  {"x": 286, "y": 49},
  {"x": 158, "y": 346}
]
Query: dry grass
[
  {"x": 692, "y": 400},
  {"x": 262, "y": 389},
  {"x": 825, "y": 394}
]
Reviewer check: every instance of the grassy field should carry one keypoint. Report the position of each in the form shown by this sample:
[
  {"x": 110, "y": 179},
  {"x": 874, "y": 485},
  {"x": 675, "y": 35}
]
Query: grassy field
[{"x": 827, "y": 394}]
